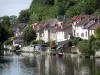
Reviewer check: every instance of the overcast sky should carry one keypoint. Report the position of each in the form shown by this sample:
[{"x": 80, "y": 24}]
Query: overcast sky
[{"x": 13, "y": 7}]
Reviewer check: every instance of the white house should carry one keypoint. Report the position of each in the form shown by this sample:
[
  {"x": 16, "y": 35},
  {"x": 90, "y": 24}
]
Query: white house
[
  {"x": 53, "y": 29},
  {"x": 63, "y": 32},
  {"x": 84, "y": 26},
  {"x": 46, "y": 30}
]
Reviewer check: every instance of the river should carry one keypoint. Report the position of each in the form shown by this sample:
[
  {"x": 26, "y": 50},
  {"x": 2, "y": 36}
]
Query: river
[{"x": 30, "y": 64}]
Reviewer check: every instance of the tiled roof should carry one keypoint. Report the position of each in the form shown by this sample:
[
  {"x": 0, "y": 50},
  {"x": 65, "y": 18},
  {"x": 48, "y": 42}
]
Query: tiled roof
[
  {"x": 63, "y": 27},
  {"x": 95, "y": 26},
  {"x": 20, "y": 26},
  {"x": 80, "y": 18},
  {"x": 90, "y": 24},
  {"x": 51, "y": 22}
]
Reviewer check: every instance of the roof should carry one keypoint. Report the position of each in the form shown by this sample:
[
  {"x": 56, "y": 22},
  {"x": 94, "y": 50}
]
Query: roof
[
  {"x": 90, "y": 24},
  {"x": 79, "y": 18},
  {"x": 83, "y": 19},
  {"x": 64, "y": 27},
  {"x": 51, "y": 22},
  {"x": 95, "y": 26},
  {"x": 20, "y": 26}
]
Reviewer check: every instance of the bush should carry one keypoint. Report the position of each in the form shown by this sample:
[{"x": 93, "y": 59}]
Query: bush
[
  {"x": 28, "y": 35},
  {"x": 74, "y": 40},
  {"x": 51, "y": 42},
  {"x": 84, "y": 48},
  {"x": 38, "y": 42},
  {"x": 8, "y": 42}
]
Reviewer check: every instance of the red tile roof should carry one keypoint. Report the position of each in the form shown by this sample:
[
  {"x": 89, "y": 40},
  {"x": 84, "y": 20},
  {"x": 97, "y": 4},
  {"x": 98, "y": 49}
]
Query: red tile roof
[{"x": 79, "y": 18}]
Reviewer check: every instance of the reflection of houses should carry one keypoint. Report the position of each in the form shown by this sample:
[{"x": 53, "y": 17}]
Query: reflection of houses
[
  {"x": 53, "y": 29},
  {"x": 18, "y": 31},
  {"x": 84, "y": 25}
]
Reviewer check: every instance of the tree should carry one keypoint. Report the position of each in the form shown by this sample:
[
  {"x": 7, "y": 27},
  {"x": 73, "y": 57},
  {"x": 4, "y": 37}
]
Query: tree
[
  {"x": 97, "y": 12},
  {"x": 5, "y": 21},
  {"x": 13, "y": 19},
  {"x": 97, "y": 33},
  {"x": 24, "y": 16},
  {"x": 29, "y": 35},
  {"x": 89, "y": 47},
  {"x": 84, "y": 48},
  {"x": 74, "y": 40}
]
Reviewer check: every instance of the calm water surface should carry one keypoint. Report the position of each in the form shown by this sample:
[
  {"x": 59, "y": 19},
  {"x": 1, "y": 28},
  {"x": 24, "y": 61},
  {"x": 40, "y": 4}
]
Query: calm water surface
[{"x": 48, "y": 65}]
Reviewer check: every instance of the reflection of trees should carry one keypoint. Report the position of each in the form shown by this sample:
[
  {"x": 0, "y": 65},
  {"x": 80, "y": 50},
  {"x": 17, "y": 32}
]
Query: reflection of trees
[
  {"x": 97, "y": 67},
  {"x": 69, "y": 66},
  {"x": 52, "y": 65},
  {"x": 5, "y": 65},
  {"x": 86, "y": 67},
  {"x": 29, "y": 62}
]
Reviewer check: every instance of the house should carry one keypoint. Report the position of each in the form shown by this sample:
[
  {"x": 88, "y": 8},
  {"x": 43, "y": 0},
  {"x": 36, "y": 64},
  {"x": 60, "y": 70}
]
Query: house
[
  {"x": 46, "y": 30},
  {"x": 63, "y": 32},
  {"x": 51, "y": 32},
  {"x": 18, "y": 30},
  {"x": 84, "y": 25},
  {"x": 36, "y": 27},
  {"x": 53, "y": 29}
]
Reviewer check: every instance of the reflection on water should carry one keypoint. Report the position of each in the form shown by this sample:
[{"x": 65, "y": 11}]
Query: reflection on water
[{"x": 48, "y": 65}]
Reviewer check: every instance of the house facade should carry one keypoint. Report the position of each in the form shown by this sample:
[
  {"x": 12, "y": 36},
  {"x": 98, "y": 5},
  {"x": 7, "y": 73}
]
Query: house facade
[
  {"x": 63, "y": 32},
  {"x": 84, "y": 26},
  {"x": 53, "y": 29}
]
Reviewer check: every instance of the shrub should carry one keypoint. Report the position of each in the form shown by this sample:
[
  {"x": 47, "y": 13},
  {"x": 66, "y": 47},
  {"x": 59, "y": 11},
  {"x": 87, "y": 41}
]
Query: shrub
[
  {"x": 84, "y": 48},
  {"x": 38, "y": 42},
  {"x": 51, "y": 42},
  {"x": 74, "y": 40},
  {"x": 8, "y": 42}
]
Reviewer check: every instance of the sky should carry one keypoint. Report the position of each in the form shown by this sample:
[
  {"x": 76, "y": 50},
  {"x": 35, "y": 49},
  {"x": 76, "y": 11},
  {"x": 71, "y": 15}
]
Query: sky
[{"x": 13, "y": 7}]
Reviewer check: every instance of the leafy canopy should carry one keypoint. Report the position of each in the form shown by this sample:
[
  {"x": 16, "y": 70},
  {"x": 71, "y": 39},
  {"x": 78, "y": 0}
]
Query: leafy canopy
[{"x": 29, "y": 34}]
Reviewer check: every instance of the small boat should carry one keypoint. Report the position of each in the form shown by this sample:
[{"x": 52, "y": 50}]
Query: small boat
[{"x": 60, "y": 54}]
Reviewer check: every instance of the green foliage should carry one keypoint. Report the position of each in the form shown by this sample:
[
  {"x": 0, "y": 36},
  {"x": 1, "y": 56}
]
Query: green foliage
[
  {"x": 41, "y": 10},
  {"x": 97, "y": 33},
  {"x": 24, "y": 16},
  {"x": 84, "y": 48},
  {"x": 38, "y": 42},
  {"x": 97, "y": 12},
  {"x": 51, "y": 42},
  {"x": 5, "y": 21},
  {"x": 69, "y": 44},
  {"x": 89, "y": 47},
  {"x": 4, "y": 34},
  {"x": 5, "y": 30},
  {"x": 94, "y": 43},
  {"x": 13, "y": 19},
  {"x": 8, "y": 42},
  {"x": 74, "y": 40},
  {"x": 29, "y": 34}
]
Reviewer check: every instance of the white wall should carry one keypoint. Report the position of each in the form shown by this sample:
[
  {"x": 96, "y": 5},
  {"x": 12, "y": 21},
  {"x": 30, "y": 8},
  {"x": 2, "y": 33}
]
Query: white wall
[
  {"x": 45, "y": 36},
  {"x": 52, "y": 36},
  {"x": 60, "y": 36},
  {"x": 79, "y": 31},
  {"x": 37, "y": 38}
]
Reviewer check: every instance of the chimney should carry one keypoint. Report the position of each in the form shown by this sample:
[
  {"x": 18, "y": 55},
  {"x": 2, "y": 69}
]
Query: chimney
[
  {"x": 88, "y": 18},
  {"x": 98, "y": 18}
]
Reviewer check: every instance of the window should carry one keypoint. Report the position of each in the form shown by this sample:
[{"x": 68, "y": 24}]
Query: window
[
  {"x": 66, "y": 35},
  {"x": 77, "y": 34},
  {"x": 82, "y": 34},
  {"x": 74, "y": 32},
  {"x": 86, "y": 34}
]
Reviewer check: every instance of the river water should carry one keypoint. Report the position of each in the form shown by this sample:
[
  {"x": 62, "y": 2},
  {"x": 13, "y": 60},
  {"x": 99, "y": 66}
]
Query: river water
[{"x": 30, "y": 64}]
